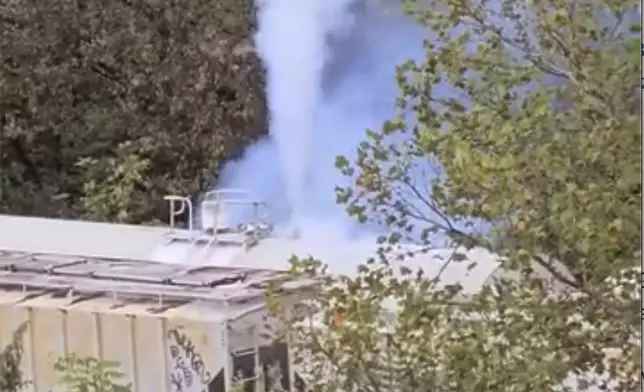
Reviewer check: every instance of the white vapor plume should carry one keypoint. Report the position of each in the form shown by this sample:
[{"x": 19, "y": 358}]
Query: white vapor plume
[{"x": 330, "y": 76}]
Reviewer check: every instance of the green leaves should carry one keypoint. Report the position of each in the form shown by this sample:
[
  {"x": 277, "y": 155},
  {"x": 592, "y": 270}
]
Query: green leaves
[
  {"x": 111, "y": 185},
  {"x": 178, "y": 81},
  {"x": 11, "y": 376},
  {"x": 86, "y": 374},
  {"x": 77, "y": 374},
  {"x": 539, "y": 141}
]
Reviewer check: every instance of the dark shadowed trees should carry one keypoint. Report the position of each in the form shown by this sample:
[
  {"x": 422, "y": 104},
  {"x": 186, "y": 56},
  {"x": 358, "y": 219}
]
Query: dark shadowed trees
[{"x": 87, "y": 86}]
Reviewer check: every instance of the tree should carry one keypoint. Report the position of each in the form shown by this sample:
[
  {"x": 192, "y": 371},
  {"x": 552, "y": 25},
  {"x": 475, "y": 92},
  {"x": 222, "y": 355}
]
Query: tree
[
  {"x": 11, "y": 377},
  {"x": 109, "y": 190},
  {"x": 177, "y": 81},
  {"x": 87, "y": 374},
  {"x": 77, "y": 374},
  {"x": 536, "y": 155}
]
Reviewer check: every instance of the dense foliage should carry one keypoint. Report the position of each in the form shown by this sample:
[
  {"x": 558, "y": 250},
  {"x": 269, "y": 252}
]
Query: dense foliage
[
  {"x": 11, "y": 375},
  {"x": 536, "y": 155},
  {"x": 162, "y": 93},
  {"x": 76, "y": 373},
  {"x": 87, "y": 374}
]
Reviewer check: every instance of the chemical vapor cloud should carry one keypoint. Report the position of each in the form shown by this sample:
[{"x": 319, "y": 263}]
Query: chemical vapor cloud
[{"x": 330, "y": 76}]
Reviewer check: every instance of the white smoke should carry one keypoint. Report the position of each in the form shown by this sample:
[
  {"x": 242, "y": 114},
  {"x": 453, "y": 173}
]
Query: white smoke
[{"x": 330, "y": 76}]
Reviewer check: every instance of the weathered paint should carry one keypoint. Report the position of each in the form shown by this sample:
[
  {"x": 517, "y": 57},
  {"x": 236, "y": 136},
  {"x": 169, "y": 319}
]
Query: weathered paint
[
  {"x": 156, "y": 353},
  {"x": 194, "y": 356},
  {"x": 167, "y": 326}
]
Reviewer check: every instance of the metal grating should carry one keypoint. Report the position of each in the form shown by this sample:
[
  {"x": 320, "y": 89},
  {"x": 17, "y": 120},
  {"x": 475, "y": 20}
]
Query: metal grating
[{"x": 134, "y": 278}]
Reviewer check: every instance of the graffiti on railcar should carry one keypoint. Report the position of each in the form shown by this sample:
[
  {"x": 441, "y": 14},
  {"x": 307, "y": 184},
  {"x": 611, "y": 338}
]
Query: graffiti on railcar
[{"x": 188, "y": 372}]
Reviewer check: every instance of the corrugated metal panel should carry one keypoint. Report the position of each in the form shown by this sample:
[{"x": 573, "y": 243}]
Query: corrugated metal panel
[
  {"x": 156, "y": 353},
  {"x": 195, "y": 355},
  {"x": 50, "y": 336},
  {"x": 15, "y": 317},
  {"x": 149, "y": 341},
  {"x": 117, "y": 342},
  {"x": 164, "y": 324}
]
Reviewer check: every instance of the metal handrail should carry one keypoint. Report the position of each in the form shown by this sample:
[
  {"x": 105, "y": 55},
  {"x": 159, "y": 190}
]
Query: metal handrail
[
  {"x": 217, "y": 201},
  {"x": 185, "y": 202}
]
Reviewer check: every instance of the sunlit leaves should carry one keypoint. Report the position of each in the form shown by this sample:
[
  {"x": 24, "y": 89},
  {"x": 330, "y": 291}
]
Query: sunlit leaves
[
  {"x": 110, "y": 184},
  {"x": 83, "y": 374},
  {"x": 11, "y": 373},
  {"x": 539, "y": 139}
]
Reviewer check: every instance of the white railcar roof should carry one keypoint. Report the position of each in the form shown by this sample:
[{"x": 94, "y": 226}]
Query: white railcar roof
[
  {"x": 78, "y": 237},
  {"x": 344, "y": 259},
  {"x": 152, "y": 287},
  {"x": 92, "y": 258}
]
